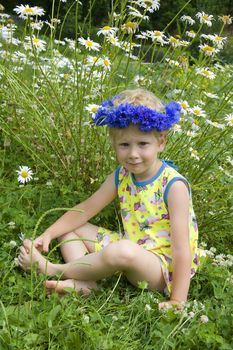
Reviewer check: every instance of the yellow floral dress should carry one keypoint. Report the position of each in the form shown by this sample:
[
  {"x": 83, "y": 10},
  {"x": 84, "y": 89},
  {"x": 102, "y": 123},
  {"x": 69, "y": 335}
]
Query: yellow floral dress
[{"x": 145, "y": 217}]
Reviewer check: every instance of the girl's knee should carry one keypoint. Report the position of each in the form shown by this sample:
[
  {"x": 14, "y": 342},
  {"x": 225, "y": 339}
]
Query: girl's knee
[
  {"x": 66, "y": 236},
  {"x": 121, "y": 254}
]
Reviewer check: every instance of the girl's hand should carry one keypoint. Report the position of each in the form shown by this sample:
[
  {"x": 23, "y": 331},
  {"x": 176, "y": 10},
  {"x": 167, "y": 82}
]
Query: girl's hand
[
  {"x": 165, "y": 305},
  {"x": 41, "y": 243}
]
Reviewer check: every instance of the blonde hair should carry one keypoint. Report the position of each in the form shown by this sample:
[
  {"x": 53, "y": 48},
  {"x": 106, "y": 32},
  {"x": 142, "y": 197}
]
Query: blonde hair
[{"x": 139, "y": 97}]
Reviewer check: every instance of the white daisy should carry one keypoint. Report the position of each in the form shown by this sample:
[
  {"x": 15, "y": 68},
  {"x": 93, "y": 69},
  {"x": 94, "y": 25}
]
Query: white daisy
[
  {"x": 38, "y": 44},
  {"x": 198, "y": 111},
  {"x": 204, "y": 18},
  {"x": 106, "y": 31},
  {"x": 215, "y": 124},
  {"x": 130, "y": 27},
  {"x": 92, "y": 108},
  {"x": 208, "y": 50},
  {"x": 158, "y": 36},
  {"x": 24, "y": 174},
  {"x": 105, "y": 62},
  {"x": 149, "y": 5},
  {"x": 174, "y": 41},
  {"x": 210, "y": 95},
  {"x": 194, "y": 153},
  {"x": 227, "y": 19},
  {"x": 27, "y": 11},
  {"x": 89, "y": 44},
  {"x": 112, "y": 39},
  {"x": 217, "y": 40},
  {"x": 184, "y": 107},
  {"x": 135, "y": 13},
  {"x": 205, "y": 72},
  {"x": 191, "y": 34},
  {"x": 229, "y": 119},
  {"x": 187, "y": 19}
]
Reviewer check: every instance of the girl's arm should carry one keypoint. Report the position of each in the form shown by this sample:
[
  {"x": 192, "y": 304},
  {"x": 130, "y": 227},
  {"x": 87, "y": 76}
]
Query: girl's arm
[
  {"x": 74, "y": 219},
  {"x": 178, "y": 206}
]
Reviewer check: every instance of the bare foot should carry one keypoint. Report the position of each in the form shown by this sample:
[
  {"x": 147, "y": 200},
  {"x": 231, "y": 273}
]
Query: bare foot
[
  {"x": 29, "y": 256},
  {"x": 81, "y": 287}
]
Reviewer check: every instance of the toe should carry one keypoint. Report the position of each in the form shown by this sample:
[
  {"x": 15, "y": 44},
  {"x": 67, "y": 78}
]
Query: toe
[{"x": 27, "y": 243}]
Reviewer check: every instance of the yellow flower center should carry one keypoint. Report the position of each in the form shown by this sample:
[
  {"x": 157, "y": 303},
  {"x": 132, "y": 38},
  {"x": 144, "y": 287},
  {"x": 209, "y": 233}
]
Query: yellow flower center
[
  {"x": 131, "y": 25},
  {"x": 208, "y": 48},
  {"x": 29, "y": 10},
  {"x": 231, "y": 121},
  {"x": 206, "y": 72},
  {"x": 106, "y": 28},
  {"x": 94, "y": 109},
  {"x": 194, "y": 152},
  {"x": 24, "y": 174},
  {"x": 197, "y": 111},
  {"x": 157, "y": 33},
  {"x": 184, "y": 105},
  {"x": 205, "y": 17},
  {"x": 35, "y": 40},
  {"x": 106, "y": 62},
  {"x": 89, "y": 43},
  {"x": 173, "y": 40}
]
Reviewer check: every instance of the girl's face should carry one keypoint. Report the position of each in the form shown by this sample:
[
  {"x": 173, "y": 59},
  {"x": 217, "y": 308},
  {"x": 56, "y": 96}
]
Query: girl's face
[{"x": 137, "y": 151}]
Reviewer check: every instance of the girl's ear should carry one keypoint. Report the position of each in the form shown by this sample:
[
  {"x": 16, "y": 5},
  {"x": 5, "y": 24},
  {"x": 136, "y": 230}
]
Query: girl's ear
[{"x": 162, "y": 139}]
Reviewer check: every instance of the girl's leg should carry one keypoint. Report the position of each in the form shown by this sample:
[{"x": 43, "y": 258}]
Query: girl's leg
[
  {"x": 73, "y": 246},
  {"x": 125, "y": 256}
]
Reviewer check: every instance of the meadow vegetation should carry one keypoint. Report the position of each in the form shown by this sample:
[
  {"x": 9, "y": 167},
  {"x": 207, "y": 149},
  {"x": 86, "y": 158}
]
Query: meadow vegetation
[{"x": 51, "y": 86}]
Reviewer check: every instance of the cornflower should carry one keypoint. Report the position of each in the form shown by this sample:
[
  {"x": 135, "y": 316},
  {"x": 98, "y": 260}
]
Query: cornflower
[
  {"x": 204, "y": 18},
  {"x": 27, "y": 11},
  {"x": 208, "y": 50},
  {"x": 205, "y": 72},
  {"x": 24, "y": 174},
  {"x": 89, "y": 44},
  {"x": 130, "y": 27},
  {"x": 227, "y": 19},
  {"x": 106, "y": 31},
  {"x": 187, "y": 19}
]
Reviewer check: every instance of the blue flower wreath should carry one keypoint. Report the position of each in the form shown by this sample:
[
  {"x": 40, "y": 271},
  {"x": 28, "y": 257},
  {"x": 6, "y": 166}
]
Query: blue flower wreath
[{"x": 147, "y": 119}]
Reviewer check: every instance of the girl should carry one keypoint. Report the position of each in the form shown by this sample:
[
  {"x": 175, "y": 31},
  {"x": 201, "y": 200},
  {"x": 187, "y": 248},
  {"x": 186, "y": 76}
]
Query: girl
[{"x": 159, "y": 244}]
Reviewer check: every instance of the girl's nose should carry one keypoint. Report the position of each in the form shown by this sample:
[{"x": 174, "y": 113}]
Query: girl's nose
[{"x": 133, "y": 153}]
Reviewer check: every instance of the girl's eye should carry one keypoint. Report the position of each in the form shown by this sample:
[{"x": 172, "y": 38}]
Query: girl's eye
[
  {"x": 143, "y": 143},
  {"x": 124, "y": 144}
]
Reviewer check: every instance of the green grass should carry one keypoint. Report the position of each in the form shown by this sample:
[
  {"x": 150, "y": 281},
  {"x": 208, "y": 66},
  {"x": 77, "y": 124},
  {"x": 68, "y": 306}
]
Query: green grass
[{"x": 44, "y": 124}]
